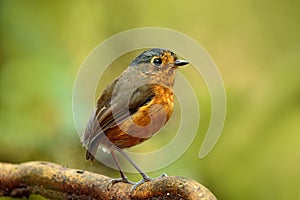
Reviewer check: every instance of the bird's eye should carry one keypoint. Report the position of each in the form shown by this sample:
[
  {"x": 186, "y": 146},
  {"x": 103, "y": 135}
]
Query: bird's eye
[{"x": 157, "y": 62}]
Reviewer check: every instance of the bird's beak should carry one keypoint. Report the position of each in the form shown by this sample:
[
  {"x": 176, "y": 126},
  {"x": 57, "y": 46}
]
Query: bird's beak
[{"x": 178, "y": 63}]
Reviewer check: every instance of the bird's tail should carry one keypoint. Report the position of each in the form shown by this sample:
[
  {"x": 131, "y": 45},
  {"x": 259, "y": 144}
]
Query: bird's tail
[
  {"x": 89, "y": 156},
  {"x": 92, "y": 147}
]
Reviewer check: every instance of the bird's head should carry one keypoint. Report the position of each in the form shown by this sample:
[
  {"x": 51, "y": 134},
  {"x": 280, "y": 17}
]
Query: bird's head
[
  {"x": 158, "y": 60},
  {"x": 157, "y": 66}
]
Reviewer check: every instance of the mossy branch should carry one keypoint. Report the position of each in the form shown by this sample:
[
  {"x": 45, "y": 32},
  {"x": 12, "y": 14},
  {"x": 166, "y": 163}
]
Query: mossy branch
[{"x": 57, "y": 182}]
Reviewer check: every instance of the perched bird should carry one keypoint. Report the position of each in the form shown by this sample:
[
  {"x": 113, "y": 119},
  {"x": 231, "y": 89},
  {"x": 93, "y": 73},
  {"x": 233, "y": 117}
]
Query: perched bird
[{"x": 133, "y": 107}]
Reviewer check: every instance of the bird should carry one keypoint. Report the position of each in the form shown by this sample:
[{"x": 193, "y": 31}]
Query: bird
[{"x": 133, "y": 107}]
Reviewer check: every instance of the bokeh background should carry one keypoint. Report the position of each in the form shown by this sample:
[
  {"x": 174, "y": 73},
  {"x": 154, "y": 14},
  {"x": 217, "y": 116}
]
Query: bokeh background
[{"x": 255, "y": 45}]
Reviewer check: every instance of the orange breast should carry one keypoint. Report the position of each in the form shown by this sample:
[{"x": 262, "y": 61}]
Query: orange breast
[{"x": 149, "y": 119}]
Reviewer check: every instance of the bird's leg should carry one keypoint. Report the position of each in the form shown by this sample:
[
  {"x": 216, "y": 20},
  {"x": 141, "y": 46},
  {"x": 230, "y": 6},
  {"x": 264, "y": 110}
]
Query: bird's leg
[
  {"x": 123, "y": 177},
  {"x": 146, "y": 178}
]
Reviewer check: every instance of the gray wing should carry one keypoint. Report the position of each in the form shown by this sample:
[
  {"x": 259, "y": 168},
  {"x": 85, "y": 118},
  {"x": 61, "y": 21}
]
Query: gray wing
[{"x": 108, "y": 116}]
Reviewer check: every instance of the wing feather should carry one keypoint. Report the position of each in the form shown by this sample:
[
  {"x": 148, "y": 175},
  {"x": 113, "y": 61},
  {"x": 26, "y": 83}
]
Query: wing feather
[{"x": 108, "y": 116}]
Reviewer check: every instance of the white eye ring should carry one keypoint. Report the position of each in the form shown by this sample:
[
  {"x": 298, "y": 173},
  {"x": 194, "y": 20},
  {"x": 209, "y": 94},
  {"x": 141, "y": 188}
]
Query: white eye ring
[{"x": 156, "y": 61}]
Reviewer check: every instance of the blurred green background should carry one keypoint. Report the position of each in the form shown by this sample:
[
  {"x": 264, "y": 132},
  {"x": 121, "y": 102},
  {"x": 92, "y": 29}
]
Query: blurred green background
[{"x": 254, "y": 43}]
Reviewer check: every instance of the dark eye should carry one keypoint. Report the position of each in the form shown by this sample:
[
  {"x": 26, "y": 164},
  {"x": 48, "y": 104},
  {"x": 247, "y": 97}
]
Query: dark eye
[{"x": 157, "y": 61}]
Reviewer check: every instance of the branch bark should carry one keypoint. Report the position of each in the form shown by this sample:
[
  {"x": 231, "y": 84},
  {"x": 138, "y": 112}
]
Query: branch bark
[{"x": 57, "y": 182}]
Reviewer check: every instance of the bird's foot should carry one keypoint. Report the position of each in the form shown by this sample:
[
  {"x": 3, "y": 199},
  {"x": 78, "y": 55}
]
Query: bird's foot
[
  {"x": 118, "y": 180},
  {"x": 144, "y": 180}
]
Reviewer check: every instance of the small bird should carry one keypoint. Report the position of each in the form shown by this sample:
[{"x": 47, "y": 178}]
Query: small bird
[{"x": 133, "y": 107}]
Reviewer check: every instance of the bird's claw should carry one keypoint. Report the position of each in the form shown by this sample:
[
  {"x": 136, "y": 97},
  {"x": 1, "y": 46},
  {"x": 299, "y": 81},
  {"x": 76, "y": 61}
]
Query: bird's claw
[
  {"x": 144, "y": 180},
  {"x": 135, "y": 185},
  {"x": 118, "y": 180}
]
